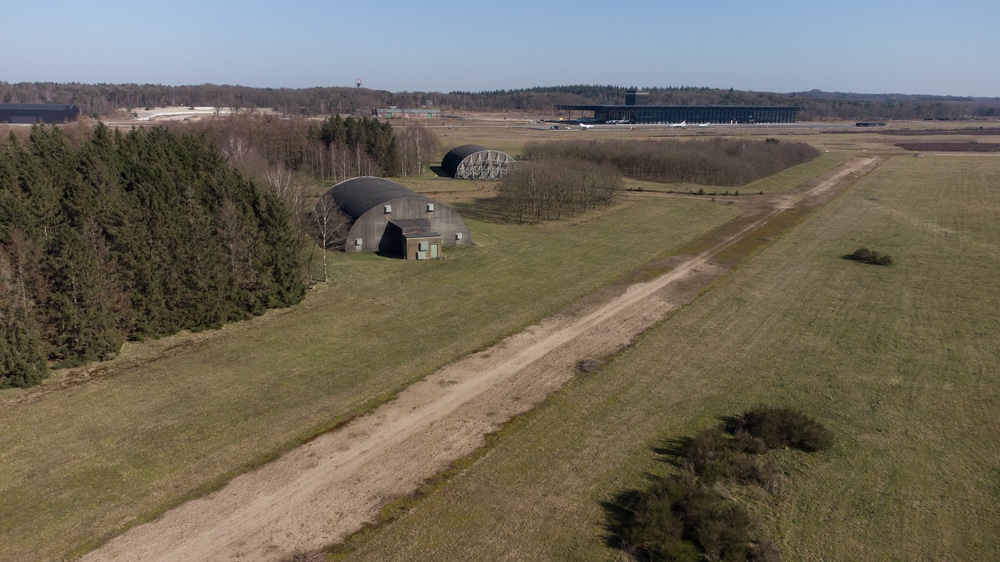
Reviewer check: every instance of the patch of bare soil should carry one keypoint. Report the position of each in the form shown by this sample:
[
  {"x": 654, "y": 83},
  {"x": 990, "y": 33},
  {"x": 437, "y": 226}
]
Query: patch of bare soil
[{"x": 319, "y": 493}]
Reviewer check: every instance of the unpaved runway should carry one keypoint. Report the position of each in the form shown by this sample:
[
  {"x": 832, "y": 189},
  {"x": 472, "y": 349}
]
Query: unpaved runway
[{"x": 322, "y": 491}]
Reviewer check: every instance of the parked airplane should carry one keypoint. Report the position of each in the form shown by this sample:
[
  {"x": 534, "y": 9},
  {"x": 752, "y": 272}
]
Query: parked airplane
[
  {"x": 682, "y": 124},
  {"x": 618, "y": 122},
  {"x": 586, "y": 126},
  {"x": 703, "y": 125}
]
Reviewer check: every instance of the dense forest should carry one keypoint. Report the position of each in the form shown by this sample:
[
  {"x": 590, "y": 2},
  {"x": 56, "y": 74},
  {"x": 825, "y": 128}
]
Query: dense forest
[
  {"x": 100, "y": 100},
  {"x": 107, "y": 236},
  {"x": 129, "y": 236}
]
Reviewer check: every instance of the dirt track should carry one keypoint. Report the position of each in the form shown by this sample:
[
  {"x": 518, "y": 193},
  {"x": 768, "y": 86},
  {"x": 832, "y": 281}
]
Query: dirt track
[{"x": 322, "y": 491}]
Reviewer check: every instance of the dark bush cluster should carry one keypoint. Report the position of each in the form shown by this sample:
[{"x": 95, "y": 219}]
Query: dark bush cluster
[
  {"x": 865, "y": 255},
  {"x": 680, "y": 519},
  {"x": 782, "y": 428},
  {"x": 684, "y": 517}
]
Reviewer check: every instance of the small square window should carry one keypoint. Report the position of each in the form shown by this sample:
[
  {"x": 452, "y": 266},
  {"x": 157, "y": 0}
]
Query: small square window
[
  {"x": 458, "y": 236},
  {"x": 430, "y": 207},
  {"x": 357, "y": 241},
  {"x": 388, "y": 209}
]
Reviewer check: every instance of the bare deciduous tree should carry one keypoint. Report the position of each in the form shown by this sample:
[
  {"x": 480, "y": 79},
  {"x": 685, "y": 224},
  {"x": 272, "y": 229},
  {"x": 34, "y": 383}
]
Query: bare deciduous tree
[
  {"x": 331, "y": 227},
  {"x": 548, "y": 189},
  {"x": 416, "y": 145}
]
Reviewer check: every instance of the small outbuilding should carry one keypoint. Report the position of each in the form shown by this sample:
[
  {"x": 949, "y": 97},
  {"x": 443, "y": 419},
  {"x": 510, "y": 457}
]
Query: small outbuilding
[
  {"x": 474, "y": 162},
  {"x": 393, "y": 220}
]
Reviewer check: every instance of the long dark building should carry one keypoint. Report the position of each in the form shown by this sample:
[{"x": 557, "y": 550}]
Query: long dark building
[
  {"x": 637, "y": 111},
  {"x": 36, "y": 113}
]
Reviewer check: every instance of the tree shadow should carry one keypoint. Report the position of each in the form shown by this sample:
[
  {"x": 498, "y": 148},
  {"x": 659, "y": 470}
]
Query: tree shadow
[
  {"x": 675, "y": 451},
  {"x": 619, "y": 511},
  {"x": 730, "y": 424},
  {"x": 618, "y": 514},
  {"x": 487, "y": 209}
]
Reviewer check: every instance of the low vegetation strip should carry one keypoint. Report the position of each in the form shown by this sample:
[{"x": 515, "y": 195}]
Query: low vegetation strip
[
  {"x": 896, "y": 362},
  {"x": 720, "y": 161},
  {"x": 971, "y": 146}
]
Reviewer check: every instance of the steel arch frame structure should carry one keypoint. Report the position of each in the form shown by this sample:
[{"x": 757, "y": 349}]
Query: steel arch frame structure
[{"x": 474, "y": 162}]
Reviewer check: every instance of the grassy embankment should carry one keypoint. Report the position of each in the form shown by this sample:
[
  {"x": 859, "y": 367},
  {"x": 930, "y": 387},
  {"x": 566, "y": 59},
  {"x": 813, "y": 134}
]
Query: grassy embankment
[
  {"x": 902, "y": 363},
  {"x": 172, "y": 419}
]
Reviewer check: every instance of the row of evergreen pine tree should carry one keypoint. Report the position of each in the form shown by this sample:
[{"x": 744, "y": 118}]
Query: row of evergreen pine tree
[{"x": 129, "y": 236}]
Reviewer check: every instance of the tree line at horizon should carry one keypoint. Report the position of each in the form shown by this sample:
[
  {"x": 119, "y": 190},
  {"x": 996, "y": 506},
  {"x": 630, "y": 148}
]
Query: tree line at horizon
[
  {"x": 130, "y": 236},
  {"x": 102, "y": 100}
]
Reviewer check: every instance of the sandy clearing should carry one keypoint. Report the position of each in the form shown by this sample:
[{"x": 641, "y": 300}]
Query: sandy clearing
[{"x": 319, "y": 493}]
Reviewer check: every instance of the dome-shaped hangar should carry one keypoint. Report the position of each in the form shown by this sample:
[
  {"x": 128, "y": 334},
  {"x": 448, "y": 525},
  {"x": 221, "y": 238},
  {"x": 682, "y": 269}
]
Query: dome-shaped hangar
[
  {"x": 474, "y": 162},
  {"x": 391, "y": 219}
]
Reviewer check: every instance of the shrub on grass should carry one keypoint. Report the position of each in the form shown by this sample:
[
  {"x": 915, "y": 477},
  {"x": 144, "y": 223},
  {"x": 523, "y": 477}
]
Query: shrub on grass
[
  {"x": 784, "y": 427},
  {"x": 678, "y": 519},
  {"x": 865, "y": 255},
  {"x": 587, "y": 365},
  {"x": 714, "y": 456},
  {"x": 654, "y": 531}
]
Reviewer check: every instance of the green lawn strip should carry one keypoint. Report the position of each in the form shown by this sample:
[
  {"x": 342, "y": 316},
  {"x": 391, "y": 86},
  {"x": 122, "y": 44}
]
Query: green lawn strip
[
  {"x": 902, "y": 363},
  {"x": 84, "y": 463}
]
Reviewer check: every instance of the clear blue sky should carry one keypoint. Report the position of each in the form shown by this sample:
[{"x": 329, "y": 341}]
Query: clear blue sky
[{"x": 874, "y": 46}]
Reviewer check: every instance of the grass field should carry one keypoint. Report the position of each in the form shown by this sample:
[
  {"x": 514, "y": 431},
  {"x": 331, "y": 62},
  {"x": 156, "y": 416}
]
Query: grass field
[
  {"x": 901, "y": 362},
  {"x": 171, "y": 419}
]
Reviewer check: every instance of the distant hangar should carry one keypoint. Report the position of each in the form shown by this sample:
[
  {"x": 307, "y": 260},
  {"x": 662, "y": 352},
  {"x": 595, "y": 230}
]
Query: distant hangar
[
  {"x": 474, "y": 162},
  {"x": 637, "y": 111},
  {"x": 664, "y": 114},
  {"x": 393, "y": 220},
  {"x": 37, "y": 113}
]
